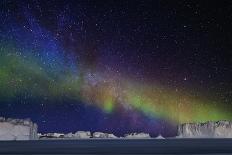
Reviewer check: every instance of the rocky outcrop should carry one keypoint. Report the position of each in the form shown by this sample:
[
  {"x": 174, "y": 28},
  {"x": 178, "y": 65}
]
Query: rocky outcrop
[
  {"x": 137, "y": 135},
  {"x": 219, "y": 129},
  {"x": 17, "y": 129}
]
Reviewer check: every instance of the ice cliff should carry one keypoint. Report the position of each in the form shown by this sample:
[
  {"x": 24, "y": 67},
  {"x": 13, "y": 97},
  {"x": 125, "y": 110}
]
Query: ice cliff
[
  {"x": 219, "y": 129},
  {"x": 17, "y": 129}
]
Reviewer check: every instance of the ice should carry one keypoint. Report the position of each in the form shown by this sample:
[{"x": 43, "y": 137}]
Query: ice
[
  {"x": 137, "y": 135},
  {"x": 219, "y": 129},
  {"x": 103, "y": 135},
  {"x": 17, "y": 129}
]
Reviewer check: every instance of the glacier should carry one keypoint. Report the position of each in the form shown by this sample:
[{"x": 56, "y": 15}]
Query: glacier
[
  {"x": 17, "y": 129},
  {"x": 210, "y": 129}
]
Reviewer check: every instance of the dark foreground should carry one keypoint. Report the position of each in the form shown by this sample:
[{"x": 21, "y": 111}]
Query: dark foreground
[{"x": 117, "y": 147}]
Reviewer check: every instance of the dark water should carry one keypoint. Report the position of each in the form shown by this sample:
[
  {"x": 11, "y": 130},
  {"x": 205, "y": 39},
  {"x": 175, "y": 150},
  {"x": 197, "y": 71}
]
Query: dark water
[{"x": 118, "y": 147}]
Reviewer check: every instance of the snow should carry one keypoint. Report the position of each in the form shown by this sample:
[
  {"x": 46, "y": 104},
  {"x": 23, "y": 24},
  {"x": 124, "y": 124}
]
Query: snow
[
  {"x": 51, "y": 135},
  {"x": 82, "y": 134},
  {"x": 68, "y": 135},
  {"x": 137, "y": 135},
  {"x": 219, "y": 129},
  {"x": 159, "y": 137},
  {"x": 103, "y": 135},
  {"x": 25, "y": 129},
  {"x": 112, "y": 136},
  {"x": 95, "y": 135},
  {"x": 17, "y": 129},
  {"x": 99, "y": 135},
  {"x": 77, "y": 135}
]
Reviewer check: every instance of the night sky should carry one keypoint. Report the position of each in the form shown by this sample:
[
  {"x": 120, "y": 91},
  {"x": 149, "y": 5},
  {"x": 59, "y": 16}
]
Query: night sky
[{"x": 116, "y": 66}]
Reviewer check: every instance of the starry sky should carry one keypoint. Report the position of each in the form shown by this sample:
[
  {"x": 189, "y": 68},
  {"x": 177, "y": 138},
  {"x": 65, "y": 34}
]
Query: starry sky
[{"x": 116, "y": 66}]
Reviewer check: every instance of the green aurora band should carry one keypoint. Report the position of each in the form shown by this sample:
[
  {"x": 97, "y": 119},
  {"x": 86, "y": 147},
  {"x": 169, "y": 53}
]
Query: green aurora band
[{"x": 23, "y": 72}]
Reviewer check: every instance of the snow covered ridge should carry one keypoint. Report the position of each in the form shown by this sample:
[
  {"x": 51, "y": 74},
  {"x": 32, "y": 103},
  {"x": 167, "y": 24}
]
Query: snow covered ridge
[
  {"x": 219, "y": 129},
  {"x": 17, "y": 129}
]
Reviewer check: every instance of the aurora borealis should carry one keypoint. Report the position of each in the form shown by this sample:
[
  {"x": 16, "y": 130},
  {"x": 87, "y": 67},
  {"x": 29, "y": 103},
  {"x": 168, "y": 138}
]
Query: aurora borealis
[{"x": 114, "y": 66}]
